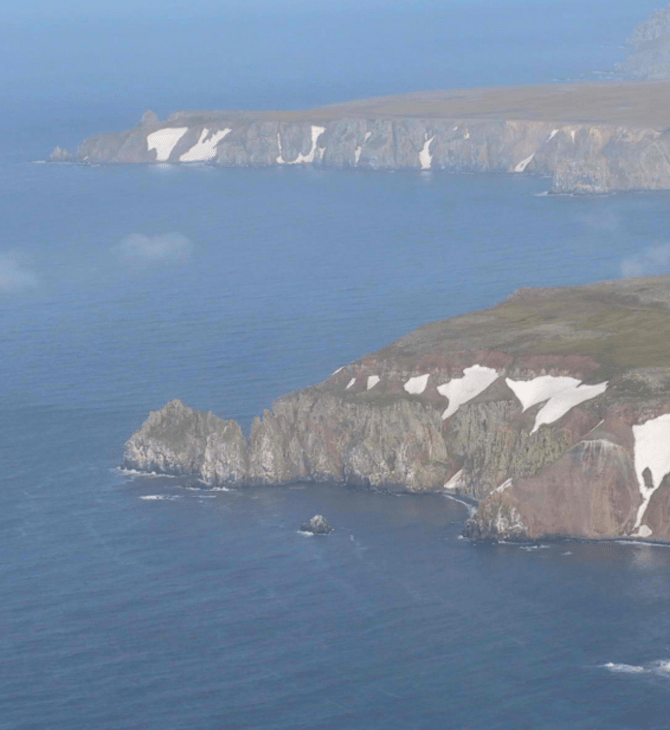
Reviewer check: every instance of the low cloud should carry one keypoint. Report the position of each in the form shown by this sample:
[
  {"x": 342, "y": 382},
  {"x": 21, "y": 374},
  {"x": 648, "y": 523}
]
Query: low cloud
[
  {"x": 169, "y": 248},
  {"x": 14, "y": 276},
  {"x": 651, "y": 261}
]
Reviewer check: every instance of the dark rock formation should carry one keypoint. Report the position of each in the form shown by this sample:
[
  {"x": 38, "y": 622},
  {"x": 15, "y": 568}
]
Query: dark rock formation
[
  {"x": 551, "y": 409},
  {"x": 589, "y": 138},
  {"x": 317, "y": 526}
]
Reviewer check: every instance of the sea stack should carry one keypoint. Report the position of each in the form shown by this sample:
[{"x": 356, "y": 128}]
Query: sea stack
[{"x": 317, "y": 526}]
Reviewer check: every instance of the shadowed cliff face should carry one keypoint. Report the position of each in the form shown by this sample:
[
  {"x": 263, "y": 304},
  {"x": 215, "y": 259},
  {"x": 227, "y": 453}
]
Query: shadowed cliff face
[
  {"x": 552, "y": 410},
  {"x": 589, "y": 138}
]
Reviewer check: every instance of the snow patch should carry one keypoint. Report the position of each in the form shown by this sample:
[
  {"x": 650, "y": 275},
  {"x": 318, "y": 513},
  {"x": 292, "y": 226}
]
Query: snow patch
[
  {"x": 416, "y": 385},
  {"x": 205, "y": 149},
  {"x": 459, "y": 391},
  {"x": 554, "y": 132},
  {"x": 503, "y": 486},
  {"x": 524, "y": 163},
  {"x": 643, "y": 531},
  {"x": 456, "y": 482},
  {"x": 164, "y": 141},
  {"x": 359, "y": 148},
  {"x": 350, "y": 383},
  {"x": 339, "y": 370},
  {"x": 280, "y": 158},
  {"x": 309, "y": 157},
  {"x": 573, "y": 133},
  {"x": 425, "y": 158},
  {"x": 652, "y": 451},
  {"x": 372, "y": 381},
  {"x": 561, "y": 394}
]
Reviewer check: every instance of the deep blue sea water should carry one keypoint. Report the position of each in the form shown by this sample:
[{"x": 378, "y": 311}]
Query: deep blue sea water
[{"x": 138, "y": 603}]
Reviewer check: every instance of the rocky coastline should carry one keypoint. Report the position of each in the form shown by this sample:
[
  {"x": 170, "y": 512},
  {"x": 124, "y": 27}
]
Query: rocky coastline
[
  {"x": 588, "y": 138},
  {"x": 550, "y": 411}
]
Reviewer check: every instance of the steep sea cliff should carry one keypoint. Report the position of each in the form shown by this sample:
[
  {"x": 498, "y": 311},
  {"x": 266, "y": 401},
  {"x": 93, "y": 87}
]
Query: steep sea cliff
[
  {"x": 589, "y": 138},
  {"x": 551, "y": 410}
]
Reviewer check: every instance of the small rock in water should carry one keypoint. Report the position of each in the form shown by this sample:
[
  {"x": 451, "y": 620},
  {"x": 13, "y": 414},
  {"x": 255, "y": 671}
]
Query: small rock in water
[
  {"x": 61, "y": 155},
  {"x": 317, "y": 526}
]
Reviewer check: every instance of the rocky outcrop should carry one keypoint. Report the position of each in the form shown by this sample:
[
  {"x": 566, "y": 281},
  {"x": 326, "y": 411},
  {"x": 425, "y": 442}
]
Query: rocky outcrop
[
  {"x": 62, "y": 155},
  {"x": 589, "y": 138},
  {"x": 318, "y": 525},
  {"x": 650, "y": 54},
  {"x": 552, "y": 410},
  {"x": 179, "y": 440}
]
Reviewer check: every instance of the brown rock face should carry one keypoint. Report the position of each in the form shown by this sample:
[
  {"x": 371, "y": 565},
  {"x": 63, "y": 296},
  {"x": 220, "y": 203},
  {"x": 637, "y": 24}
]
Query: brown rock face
[{"x": 550, "y": 410}]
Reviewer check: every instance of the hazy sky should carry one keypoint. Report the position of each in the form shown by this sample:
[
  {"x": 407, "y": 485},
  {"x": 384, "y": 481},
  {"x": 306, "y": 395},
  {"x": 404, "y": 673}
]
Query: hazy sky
[
  {"x": 87, "y": 65},
  {"x": 62, "y": 8}
]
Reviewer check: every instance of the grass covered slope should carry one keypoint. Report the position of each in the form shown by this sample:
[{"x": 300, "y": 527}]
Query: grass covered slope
[{"x": 623, "y": 325}]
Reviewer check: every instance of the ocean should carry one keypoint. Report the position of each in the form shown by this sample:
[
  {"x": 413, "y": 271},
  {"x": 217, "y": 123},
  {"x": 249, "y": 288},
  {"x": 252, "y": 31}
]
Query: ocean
[{"x": 136, "y": 602}]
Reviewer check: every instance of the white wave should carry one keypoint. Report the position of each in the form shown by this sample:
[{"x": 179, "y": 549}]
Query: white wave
[
  {"x": 641, "y": 543},
  {"x": 305, "y": 534},
  {"x": 661, "y": 666},
  {"x": 137, "y": 473},
  {"x": 658, "y": 667},
  {"x": 205, "y": 488},
  {"x": 161, "y": 497},
  {"x": 567, "y": 552},
  {"x": 623, "y": 668},
  {"x": 471, "y": 508}
]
